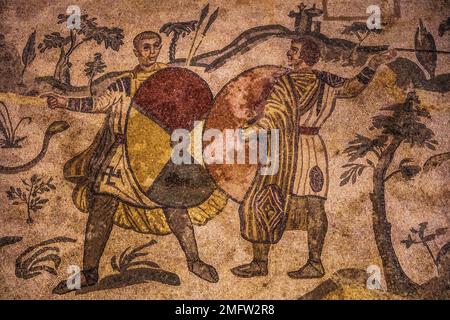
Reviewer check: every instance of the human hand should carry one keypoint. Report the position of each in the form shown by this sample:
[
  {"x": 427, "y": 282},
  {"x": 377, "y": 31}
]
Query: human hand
[{"x": 55, "y": 101}]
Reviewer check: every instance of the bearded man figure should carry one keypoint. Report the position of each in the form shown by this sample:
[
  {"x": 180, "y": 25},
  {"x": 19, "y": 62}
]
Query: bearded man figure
[
  {"x": 105, "y": 187},
  {"x": 293, "y": 198}
]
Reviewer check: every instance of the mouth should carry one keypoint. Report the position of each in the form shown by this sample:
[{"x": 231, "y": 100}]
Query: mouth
[{"x": 149, "y": 61}]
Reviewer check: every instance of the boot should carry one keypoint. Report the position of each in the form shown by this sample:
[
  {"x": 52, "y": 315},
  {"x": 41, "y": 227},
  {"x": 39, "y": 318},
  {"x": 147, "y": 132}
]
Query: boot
[
  {"x": 203, "y": 270},
  {"x": 259, "y": 265},
  {"x": 311, "y": 270},
  {"x": 317, "y": 230},
  {"x": 87, "y": 278},
  {"x": 181, "y": 226},
  {"x": 252, "y": 269},
  {"x": 98, "y": 229}
]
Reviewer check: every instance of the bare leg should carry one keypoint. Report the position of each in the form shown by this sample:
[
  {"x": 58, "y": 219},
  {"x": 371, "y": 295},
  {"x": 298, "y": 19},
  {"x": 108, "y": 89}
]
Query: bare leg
[
  {"x": 98, "y": 229},
  {"x": 259, "y": 264},
  {"x": 317, "y": 230},
  {"x": 181, "y": 226}
]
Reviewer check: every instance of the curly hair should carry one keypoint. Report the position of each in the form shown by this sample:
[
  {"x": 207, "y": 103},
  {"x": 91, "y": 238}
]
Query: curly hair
[{"x": 310, "y": 51}]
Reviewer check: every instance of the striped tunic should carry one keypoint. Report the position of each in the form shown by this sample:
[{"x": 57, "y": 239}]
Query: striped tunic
[
  {"x": 298, "y": 105},
  {"x": 312, "y": 176}
]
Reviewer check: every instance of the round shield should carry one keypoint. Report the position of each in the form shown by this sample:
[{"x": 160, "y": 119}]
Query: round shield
[
  {"x": 238, "y": 103},
  {"x": 172, "y": 98}
]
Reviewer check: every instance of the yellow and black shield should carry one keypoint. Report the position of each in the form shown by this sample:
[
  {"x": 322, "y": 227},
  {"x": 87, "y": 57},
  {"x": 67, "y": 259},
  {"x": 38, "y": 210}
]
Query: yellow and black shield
[{"x": 172, "y": 98}]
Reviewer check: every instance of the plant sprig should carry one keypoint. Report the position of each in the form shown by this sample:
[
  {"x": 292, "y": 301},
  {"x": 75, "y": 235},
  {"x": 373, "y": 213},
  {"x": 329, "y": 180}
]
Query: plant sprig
[
  {"x": 31, "y": 195},
  {"x": 9, "y": 132},
  {"x": 418, "y": 236}
]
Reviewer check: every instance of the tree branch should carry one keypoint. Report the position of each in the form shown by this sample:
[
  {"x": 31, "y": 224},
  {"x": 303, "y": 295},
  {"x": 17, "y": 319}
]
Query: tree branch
[
  {"x": 376, "y": 153},
  {"x": 72, "y": 43},
  {"x": 392, "y": 174},
  {"x": 74, "y": 46},
  {"x": 430, "y": 252},
  {"x": 77, "y": 45}
]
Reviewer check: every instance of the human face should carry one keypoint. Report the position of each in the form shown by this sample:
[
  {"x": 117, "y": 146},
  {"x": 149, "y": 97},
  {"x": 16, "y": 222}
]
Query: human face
[
  {"x": 294, "y": 59},
  {"x": 147, "y": 51}
]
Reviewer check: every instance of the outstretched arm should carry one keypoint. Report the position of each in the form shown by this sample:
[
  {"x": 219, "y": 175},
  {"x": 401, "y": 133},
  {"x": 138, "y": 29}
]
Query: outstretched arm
[
  {"x": 352, "y": 87},
  {"x": 99, "y": 104}
]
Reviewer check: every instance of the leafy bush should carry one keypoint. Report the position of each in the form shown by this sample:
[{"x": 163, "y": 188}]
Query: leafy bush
[{"x": 31, "y": 195}]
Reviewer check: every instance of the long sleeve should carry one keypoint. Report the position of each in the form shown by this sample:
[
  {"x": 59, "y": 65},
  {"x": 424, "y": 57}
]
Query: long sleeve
[
  {"x": 354, "y": 86},
  {"x": 281, "y": 101},
  {"x": 348, "y": 88},
  {"x": 93, "y": 105},
  {"x": 101, "y": 104}
]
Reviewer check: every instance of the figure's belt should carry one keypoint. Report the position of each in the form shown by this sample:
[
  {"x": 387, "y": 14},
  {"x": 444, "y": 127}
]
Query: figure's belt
[
  {"x": 309, "y": 131},
  {"x": 120, "y": 138}
]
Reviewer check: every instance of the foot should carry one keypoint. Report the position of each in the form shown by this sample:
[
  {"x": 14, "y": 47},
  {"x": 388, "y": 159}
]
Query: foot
[
  {"x": 252, "y": 269},
  {"x": 203, "y": 271},
  {"x": 311, "y": 270},
  {"x": 87, "y": 279}
]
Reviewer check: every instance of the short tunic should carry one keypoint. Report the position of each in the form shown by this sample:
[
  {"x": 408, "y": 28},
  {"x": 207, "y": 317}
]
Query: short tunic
[
  {"x": 103, "y": 167},
  {"x": 312, "y": 175},
  {"x": 115, "y": 176}
]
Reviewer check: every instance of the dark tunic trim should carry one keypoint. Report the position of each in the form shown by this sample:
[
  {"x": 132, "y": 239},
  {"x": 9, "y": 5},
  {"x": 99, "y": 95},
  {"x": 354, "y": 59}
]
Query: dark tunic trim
[
  {"x": 330, "y": 79},
  {"x": 87, "y": 104},
  {"x": 122, "y": 85},
  {"x": 80, "y": 104},
  {"x": 366, "y": 75},
  {"x": 320, "y": 97}
]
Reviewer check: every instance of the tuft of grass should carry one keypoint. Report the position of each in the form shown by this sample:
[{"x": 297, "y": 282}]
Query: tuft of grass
[
  {"x": 40, "y": 258},
  {"x": 8, "y": 131},
  {"x": 128, "y": 260}
]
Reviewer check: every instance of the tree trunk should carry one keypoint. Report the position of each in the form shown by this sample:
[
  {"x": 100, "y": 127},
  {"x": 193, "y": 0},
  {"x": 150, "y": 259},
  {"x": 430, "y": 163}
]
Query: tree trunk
[
  {"x": 62, "y": 69},
  {"x": 173, "y": 47},
  {"x": 396, "y": 280},
  {"x": 90, "y": 86}
]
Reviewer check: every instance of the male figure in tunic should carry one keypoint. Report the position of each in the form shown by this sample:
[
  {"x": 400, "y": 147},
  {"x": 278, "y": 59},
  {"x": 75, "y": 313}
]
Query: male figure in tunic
[
  {"x": 105, "y": 187},
  {"x": 300, "y": 102}
]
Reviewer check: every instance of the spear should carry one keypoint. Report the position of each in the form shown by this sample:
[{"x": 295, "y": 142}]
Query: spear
[
  {"x": 386, "y": 48},
  {"x": 203, "y": 15},
  {"x": 211, "y": 20},
  {"x": 422, "y": 50}
]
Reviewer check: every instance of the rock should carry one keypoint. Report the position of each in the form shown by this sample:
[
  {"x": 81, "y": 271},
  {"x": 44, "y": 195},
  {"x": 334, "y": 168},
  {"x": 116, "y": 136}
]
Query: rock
[{"x": 347, "y": 284}]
